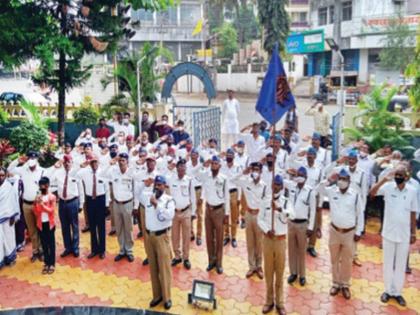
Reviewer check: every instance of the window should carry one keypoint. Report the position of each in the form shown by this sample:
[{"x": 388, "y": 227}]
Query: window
[
  {"x": 347, "y": 11},
  {"x": 142, "y": 15},
  {"x": 331, "y": 13},
  {"x": 322, "y": 16},
  {"x": 302, "y": 17},
  {"x": 168, "y": 17},
  {"x": 190, "y": 14}
]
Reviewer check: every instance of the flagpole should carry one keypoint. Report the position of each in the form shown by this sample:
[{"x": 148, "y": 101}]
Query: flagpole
[{"x": 273, "y": 173}]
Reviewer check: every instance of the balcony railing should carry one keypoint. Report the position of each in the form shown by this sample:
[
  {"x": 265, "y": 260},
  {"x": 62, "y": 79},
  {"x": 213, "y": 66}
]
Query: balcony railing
[
  {"x": 299, "y": 24},
  {"x": 299, "y": 2}
]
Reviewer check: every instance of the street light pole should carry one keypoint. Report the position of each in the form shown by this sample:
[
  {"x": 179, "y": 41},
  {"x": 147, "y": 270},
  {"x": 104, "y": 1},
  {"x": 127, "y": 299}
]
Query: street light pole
[
  {"x": 342, "y": 98},
  {"x": 139, "y": 93}
]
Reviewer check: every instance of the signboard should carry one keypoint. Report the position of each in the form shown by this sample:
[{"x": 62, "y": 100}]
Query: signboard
[
  {"x": 305, "y": 42},
  {"x": 380, "y": 24}
]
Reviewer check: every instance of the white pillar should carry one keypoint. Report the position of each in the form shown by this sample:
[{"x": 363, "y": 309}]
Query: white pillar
[{"x": 363, "y": 65}]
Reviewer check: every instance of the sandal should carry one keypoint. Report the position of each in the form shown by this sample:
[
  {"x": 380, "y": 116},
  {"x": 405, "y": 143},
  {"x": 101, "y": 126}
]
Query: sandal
[
  {"x": 45, "y": 270},
  {"x": 51, "y": 270}
]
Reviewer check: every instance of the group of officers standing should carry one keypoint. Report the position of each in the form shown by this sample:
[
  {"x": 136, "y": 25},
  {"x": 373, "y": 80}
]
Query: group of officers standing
[{"x": 274, "y": 188}]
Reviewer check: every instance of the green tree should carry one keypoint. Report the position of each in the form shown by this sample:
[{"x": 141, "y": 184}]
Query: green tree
[
  {"x": 86, "y": 114},
  {"x": 228, "y": 40},
  {"x": 246, "y": 25},
  {"x": 47, "y": 29},
  {"x": 28, "y": 136},
  {"x": 399, "y": 45},
  {"x": 413, "y": 71},
  {"x": 275, "y": 22},
  {"x": 376, "y": 125}
]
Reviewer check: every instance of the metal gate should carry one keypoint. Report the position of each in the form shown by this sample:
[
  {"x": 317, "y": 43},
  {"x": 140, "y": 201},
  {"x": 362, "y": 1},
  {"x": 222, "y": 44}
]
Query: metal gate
[{"x": 201, "y": 122}]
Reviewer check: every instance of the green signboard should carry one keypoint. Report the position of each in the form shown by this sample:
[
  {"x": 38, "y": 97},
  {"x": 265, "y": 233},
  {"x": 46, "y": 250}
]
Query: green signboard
[{"x": 305, "y": 42}]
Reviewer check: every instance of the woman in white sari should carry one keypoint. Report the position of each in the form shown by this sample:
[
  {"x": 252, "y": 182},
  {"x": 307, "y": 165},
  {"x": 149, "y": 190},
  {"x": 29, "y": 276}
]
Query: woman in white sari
[{"x": 9, "y": 213}]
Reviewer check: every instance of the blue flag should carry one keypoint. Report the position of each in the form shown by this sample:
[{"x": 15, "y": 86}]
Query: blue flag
[{"x": 275, "y": 97}]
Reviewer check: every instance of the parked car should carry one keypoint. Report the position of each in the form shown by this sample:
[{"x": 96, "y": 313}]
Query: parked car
[{"x": 14, "y": 97}]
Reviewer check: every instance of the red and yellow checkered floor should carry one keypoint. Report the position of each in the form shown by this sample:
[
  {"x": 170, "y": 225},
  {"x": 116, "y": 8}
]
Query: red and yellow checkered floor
[{"x": 123, "y": 284}]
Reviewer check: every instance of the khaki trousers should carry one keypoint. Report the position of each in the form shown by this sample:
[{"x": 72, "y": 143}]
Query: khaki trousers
[
  {"x": 158, "y": 251},
  {"x": 30, "y": 220},
  {"x": 234, "y": 215},
  {"x": 297, "y": 240},
  {"x": 124, "y": 226},
  {"x": 317, "y": 225},
  {"x": 181, "y": 228},
  {"x": 253, "y": 241},
  {"x": 111, "y": 213},
  {"x": 341, "y": 251},
  {"x": 274, "y": 250},
  {"x": 243, "y": 204},
  {"x": 214, "y": 235},
  {"x": 199, "y": 213}
]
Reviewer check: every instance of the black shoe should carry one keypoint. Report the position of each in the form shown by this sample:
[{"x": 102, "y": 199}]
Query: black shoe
[
  {"x": 219, "y": 270},
  {"x": 226, "y": 241},
  {"x": 176, "y": 261},
  {"x": 34, "y": 258},
  {"x": 85, "y": 229},
  {"x": 242, "y": 223},
  {"x": 145, "y": 262},
  {"x": 187, "y": 264},
  {"x": 91, "y": 255},
  {"x": 210, "y": 267},
  {"x": 167, "y": 305},
  {"x": 40, "y": 257},
  {"x": 139, "y": 234},
  {"x": 311, "y": 251},
  {"x": 199, "y": 241},
  {"x": 385, "y": 297},
  {"x": 102, "y": 256},
  {"x": 65, "y": 253},
  {"x": 156, "y": 302},
  {"x": 112, "y": 233},
  {"x": 302, "y": 281},
  {"x": 400, "y": 300},
  {"x": 234, "y": 243},
  {"x": 76, "y": 253},
  {"x": 118, "y": 257},
  {"x": 291, "y": 279},
  {"x": 130, "y": 258}
]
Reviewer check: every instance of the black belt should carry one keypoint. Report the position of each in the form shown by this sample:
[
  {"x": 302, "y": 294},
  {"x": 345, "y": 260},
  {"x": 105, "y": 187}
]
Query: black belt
[
  {"x": 123, "y": 202},
  {"x": 183, "y": 210},
  {"x": 197, "y": 188},
  {"x": 299, "y": 220},
  {"x": 70, "y": 200},
  {"x": 215, "y": 207},
  {"x": 98, "y": 196},
  {"x": 28, "y": 202},
  {"x": 157, "y": 233},
  {"x": 233, "y": 190}
]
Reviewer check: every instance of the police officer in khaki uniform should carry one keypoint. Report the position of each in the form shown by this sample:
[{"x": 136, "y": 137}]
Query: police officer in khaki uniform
[
  {"x": 159, "y": 213},
  {"x": 274, "y": 247}
]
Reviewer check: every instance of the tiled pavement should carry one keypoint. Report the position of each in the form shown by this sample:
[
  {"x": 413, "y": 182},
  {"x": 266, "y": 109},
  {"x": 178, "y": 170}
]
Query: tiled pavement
[{"x": 104, "y": 282}]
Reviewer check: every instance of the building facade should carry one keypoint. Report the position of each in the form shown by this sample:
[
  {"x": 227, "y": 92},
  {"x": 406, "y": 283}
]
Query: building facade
[
  {"x": 172, "y": 27},
  {"x": 361, "y": 34}
]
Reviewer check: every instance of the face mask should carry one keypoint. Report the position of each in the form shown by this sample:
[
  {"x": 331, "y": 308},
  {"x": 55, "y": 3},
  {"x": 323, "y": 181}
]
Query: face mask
[
  {"x": 255, "y": 175},
  {"x": 144, "y": 142},
  {"x": 395, "y": 162},
  {"x": 180, "y": 129},
  {"x": 164, "y": 122},
  {"x": 88, "y": 136},
  {"x": 32, "y": 163},
  {"x": 43, "y": 190},
  {"x": 125, "y": 121},
  {"x": 363, "y": 154},
  {"x": 270, "y": 163},
  {"x": 102, "y": 145},
  {"x": 399, "y": 180},
  {"x": 342, "y": 184},
  {"x": 240, "y": 150},
  {"x": 352, "y": 168},
  {"x": 229, "y": 159},
  {"x": 113, "y": 154},
  {"x": 121, "y": 139},
  {"x": 299, "y": 179}
]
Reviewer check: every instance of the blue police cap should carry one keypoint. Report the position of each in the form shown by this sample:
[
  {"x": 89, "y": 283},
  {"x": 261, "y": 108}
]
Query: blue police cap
[
  {"x": 240, "y": 142},
  {"x": 352, "y": 154},
  {"x": 311, "y": 151},
  {"x": 302, "y": 171},
  {"x": 113, "y": 146},
  {"x": 278, "y": 180},
  {"x": 230, "y": 151},
  {"x": 123, "y": 155},
  {"x": 194, "y": 151},
  {"x": 88, "y": 145},
  {"x": 32, "y": 154},
  {"x": 316, "y": 136},
  {"x": 160, "y": 180},
  {"x": 343, "y": 173},
  {"x": 215, "y": 158}
]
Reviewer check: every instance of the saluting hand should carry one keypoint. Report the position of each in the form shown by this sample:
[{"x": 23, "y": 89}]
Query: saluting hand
[
  {"x": 356, "y": 238},
  {"x": 270, "y": 233},
  {"x": 153, "y": 201}
]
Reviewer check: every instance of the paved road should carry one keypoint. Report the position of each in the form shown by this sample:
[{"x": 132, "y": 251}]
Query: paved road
[{"x": 248, "y": 113}]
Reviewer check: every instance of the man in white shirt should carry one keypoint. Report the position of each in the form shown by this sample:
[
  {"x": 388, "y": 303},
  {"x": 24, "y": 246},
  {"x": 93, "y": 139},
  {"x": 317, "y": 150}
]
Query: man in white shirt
[
  {"x": 97, "y": 201},
  {"x": 128, "y": 127},
  {"x": 30, "y": 173},
  {"x": 230, "y": 118},
  {"x": 274, "y": 247},
  {"x": 122, "y": 183},
  {"x": 182, "y": 190},
  {"x": 322, "y": 121},
  {"x": 159, "y": 213},
  {"x": 257, "y": 195},
  {"x": 216, "y": 193},
  {"x": 231, "y": 170},
  {"x": 71, "y": 199},
  {"x": 346, "y": 227},
  {"x": 241, "y": 159},
  {"x": 399, "y": 229},
  {"x": 254, "y": 142},
  {"x": 301, "y": 225}
]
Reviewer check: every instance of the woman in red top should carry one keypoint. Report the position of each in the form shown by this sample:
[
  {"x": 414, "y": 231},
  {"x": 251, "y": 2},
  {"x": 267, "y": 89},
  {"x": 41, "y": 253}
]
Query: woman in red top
[{"x": 44, "y": 209}]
